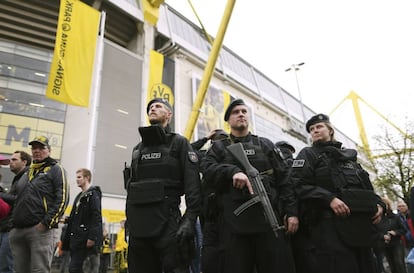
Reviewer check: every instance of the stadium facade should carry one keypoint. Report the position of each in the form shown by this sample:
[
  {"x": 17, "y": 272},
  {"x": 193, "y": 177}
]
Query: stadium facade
[{"x": 102, "y": 136}]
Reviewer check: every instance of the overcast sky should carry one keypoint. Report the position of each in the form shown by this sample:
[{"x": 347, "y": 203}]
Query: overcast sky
[{"x": 361, "y": 45}]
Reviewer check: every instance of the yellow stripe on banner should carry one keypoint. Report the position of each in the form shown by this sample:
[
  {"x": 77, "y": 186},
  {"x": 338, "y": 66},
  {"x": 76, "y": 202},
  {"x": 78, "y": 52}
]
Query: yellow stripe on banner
[
  {"x": 156, "y": 67},
  {"x": 71, "y": 70}
]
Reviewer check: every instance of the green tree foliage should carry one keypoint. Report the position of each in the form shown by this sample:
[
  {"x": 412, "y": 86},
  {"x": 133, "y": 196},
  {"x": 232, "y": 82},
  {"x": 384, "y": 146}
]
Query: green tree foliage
[{"x": 394, "y": 164}]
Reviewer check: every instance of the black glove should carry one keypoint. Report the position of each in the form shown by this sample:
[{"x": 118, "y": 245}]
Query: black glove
[{"x": 185, "y": 231}]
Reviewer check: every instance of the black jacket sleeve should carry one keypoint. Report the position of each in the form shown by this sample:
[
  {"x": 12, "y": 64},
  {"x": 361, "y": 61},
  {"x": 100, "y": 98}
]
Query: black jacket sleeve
[
  {"x": 94, "y": 220},
  {"x": 57, "y": 207},
  {"x": 217, "y": 174},
  {"x": 191, "y": 178},
  {"x": 198, "y": 144}
]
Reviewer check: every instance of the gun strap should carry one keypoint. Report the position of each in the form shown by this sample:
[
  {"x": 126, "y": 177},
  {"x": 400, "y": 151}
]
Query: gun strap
[
  {"x": 267, "y": 172},
  {"x": 246, "y": 205}
]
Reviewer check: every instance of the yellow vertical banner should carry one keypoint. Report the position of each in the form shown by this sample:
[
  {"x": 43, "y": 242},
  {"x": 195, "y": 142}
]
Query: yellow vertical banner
[
  {"x": 72, "y": 66},
  {"x": 161, "y": 77}
]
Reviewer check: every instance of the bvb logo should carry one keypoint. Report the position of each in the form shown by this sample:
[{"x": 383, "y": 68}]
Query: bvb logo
[{"x": 160, "y": 90}]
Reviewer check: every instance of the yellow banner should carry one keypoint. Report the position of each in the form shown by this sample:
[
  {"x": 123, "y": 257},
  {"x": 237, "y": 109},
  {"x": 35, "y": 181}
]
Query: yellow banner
[
  {"x": 108, "y": 215},
  {"x": 73, "y": 60},
  {"x": 161, "y": 75}
]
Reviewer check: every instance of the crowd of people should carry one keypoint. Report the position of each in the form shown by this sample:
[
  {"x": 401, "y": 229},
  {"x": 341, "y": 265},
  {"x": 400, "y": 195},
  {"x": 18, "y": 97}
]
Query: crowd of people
[
  {"x": 38, "y": 196},
  {"x": 313, "y": 213}
]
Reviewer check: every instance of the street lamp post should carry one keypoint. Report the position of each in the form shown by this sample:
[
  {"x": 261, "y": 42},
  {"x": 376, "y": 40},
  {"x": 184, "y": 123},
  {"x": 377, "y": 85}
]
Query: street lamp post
[{"x": 295, "y": 68}]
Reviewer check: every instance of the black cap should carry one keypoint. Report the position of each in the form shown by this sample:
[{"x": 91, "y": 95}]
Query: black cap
[
  {"x": 285, "y": 144},
  {"x": 316, "y": 119},
  {"x": 231, "y": 106},
  {"x": 42, "y": 140},
  {"x": 163, "y": 101}
]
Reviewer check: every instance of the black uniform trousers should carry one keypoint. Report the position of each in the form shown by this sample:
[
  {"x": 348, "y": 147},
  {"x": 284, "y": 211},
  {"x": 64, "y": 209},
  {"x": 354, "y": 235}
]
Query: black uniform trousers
[
  {"x": 156, "y": 254},
  {"x": 210, "y": 249},
  {"x": 78, "y": 256},
  {"x": 319, "y": 250},
  {"x": 263, "y": 252}
]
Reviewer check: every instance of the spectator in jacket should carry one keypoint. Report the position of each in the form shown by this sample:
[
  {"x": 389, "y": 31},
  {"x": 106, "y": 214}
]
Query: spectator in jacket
[
  {"x": 42, "y": 196},
  {"x": 83, "y": 236},
  {"x": 404, "y": 214},
  {"x": 19, "y": 163},
  {"x": 408, "y": 238},
  {"x": 391, "y": 229}
]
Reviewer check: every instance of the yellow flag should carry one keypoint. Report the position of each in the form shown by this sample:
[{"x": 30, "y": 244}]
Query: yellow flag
[
  {"x": 161, "y": 77},
  {"x": 72, "y": 66}
]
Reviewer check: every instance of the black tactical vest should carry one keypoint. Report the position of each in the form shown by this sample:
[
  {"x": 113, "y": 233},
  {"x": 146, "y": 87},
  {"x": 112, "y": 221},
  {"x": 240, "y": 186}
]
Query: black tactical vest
[
  {"x": 342, "y": 175},
  {"x": 254, "y": 153},
  {"x": 334, "y": 172},
  {"x": 252, "y": 220},
  {"x": 155, "y": 188},
  {"x": 160, "y": 162}
]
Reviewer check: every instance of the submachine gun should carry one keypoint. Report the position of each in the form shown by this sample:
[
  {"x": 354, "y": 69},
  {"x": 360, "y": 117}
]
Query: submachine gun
[{"x": 259, "y": 191}]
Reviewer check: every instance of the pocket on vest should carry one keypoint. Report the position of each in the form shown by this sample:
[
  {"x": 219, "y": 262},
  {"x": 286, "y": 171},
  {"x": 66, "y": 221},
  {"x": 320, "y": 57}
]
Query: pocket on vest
[
  {"x": 147, "y": 212},
  {"x": 145, "y": 192},
  {"x": 359, "y": 200},
  {"x": 357, "y": 229}
]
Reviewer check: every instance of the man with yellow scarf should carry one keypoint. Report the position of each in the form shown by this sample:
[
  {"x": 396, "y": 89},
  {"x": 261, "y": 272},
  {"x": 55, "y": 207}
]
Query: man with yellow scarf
[{"x": 42, "y": 197}]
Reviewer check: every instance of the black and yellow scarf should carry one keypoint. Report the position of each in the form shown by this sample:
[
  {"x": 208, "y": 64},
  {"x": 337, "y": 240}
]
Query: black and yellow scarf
[{"x": 35, "y": 168}]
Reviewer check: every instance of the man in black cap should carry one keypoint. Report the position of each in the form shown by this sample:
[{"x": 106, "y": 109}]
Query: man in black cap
[
  {"x": 338, "y": 206},
  {"x": 42, "y": 197},
  {"x": 287, "y": 151},
  {"x": 247, "y": 241},
  {"x": 213, "y": 135},
  {"x": 164, "y": 167}
]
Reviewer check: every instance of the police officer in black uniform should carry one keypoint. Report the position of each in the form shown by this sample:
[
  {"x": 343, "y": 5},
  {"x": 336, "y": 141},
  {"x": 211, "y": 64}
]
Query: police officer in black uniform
[
  {"x": 335, "y": 232},
  {"x": 164, "y": 167},
  {"x": 247, "y": 241}
]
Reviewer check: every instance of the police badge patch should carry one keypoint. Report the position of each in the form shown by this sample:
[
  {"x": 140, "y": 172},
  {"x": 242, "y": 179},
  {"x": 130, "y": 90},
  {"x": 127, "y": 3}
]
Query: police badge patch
[
  {"x": 193, "y": 157},
  {"x": 298, "y": 163}
]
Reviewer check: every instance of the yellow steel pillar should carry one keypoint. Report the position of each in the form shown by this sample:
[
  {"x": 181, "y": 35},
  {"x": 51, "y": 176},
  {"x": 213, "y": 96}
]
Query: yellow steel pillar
[
  {"x": 208, "y": 71},
  {"x": 362, "y": 134}
]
